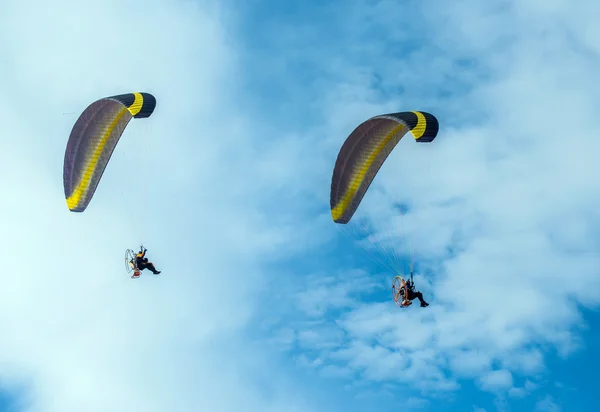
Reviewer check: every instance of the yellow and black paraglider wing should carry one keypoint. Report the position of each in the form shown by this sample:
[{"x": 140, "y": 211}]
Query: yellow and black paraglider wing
[
  {"x": 92, "y": 141},
  {"x": 365, "y": 150}
]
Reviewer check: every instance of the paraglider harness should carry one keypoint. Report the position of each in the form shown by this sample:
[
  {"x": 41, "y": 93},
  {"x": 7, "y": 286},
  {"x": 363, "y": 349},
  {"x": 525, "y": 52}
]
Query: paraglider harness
[{"x": 410, "y": 284}]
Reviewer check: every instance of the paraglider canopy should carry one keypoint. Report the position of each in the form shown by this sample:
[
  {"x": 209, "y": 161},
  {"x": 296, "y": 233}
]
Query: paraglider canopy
[
  {"x": 92, "y": 141},
  {"x": 364, "y": 152}
]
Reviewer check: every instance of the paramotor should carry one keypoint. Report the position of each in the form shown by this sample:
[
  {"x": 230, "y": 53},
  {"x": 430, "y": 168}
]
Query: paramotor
[
  {"x": 130, "y": 265},
  {"x": 398, "y": 292}
]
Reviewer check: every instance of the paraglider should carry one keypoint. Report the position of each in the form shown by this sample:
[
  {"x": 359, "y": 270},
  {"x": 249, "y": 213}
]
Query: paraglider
[
  {"x": 137, "y": 262},
  {"x": 358, "y": 162},
  {"x": 93, "y": 140}
]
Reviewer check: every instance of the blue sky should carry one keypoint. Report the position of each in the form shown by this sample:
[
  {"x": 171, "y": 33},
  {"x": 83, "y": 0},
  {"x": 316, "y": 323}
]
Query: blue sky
[{"x": 263, "y": 304}]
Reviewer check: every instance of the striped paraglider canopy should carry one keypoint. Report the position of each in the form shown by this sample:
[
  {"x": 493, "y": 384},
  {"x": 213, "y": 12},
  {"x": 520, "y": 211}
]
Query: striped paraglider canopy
[{"x": 92, "y": 141}]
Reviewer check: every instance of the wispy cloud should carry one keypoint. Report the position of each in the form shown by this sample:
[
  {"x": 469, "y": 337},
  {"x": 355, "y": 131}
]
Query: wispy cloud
[{"x": 547, "y": 404}]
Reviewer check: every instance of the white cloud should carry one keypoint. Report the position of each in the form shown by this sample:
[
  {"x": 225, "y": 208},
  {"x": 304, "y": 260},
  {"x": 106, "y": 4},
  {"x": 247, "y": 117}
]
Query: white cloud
[
  {"x": 470, "y": 363},
  {"x": 415, "y": 403},
  {"x": 495, "y": 381},
  {"x": 547, "y": 404},
  {"x": 327, "y": 292}
]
